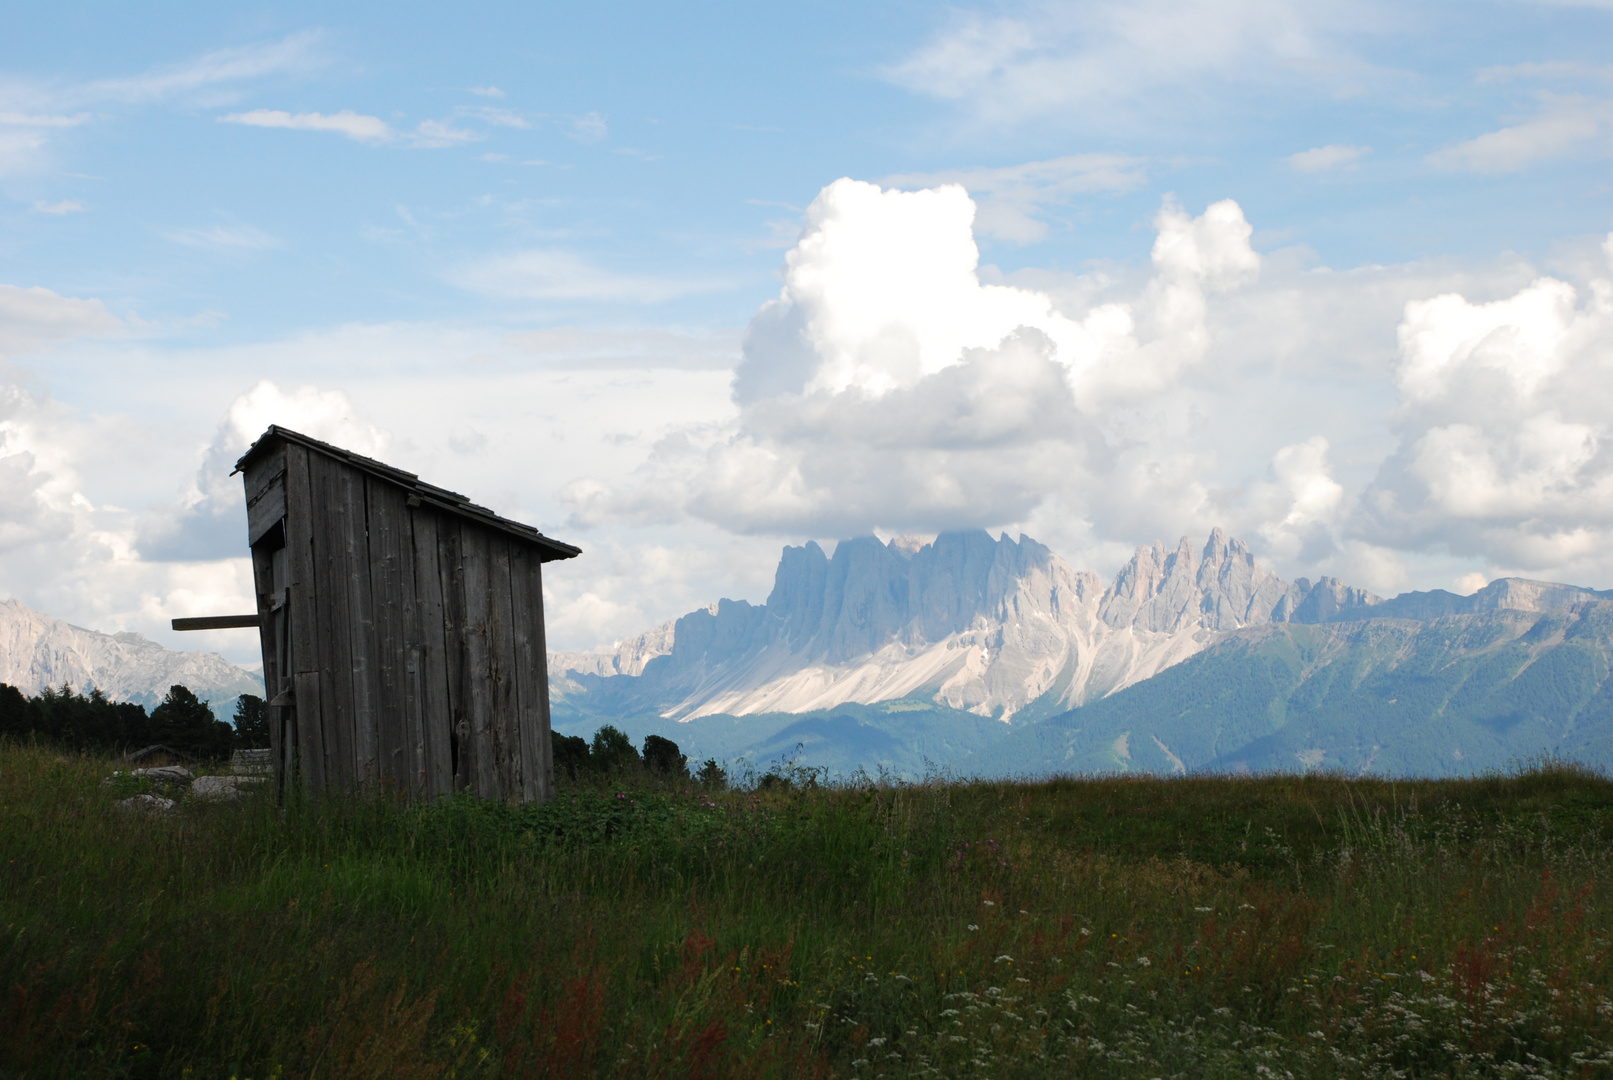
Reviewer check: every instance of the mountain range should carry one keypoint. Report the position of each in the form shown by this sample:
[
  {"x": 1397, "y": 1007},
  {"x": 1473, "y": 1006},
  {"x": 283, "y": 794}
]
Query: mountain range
[
  {"x": 37, "y": 651},
  {"x": 995, "y": 656}
]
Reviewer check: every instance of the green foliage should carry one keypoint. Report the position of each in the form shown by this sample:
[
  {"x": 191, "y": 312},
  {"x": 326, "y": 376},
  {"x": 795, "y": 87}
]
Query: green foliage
[
  {"x": 712, "y": 776},
  {"x": 611, "y": 756},
  {"x": 1313, "y": 926},
  {"x": 570, "y": 754},
  {"x": 72, "y": 720},
  {"x": 251, "y": 722},
  {"x": 612, "y": 752},
  {"x": 186, "y": 723},
  {"x": 661, "y": 755}
]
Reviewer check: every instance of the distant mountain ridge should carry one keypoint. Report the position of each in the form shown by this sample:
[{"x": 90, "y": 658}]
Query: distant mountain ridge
[
  {"x": 992, "y": 627},
  {"x": 1519, "y": 670},
  {"x": 1194, "y": 657},
  {"x": 37, "y": 651}
]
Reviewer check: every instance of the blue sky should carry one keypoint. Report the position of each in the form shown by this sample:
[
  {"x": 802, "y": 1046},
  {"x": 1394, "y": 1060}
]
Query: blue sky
[{"x": 520, "y": 250}]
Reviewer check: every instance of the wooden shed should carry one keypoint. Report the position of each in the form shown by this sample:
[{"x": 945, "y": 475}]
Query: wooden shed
[{"x": 402, "y": 628}]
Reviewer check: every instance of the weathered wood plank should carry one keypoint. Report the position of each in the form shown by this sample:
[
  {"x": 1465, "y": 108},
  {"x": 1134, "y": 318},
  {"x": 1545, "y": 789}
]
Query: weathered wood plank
[
  {"x": 451, "y": 571},
  {"x": 270, "y": 631},
  {"x": 541, "y": 649},
  {"x": 479, "y": 663},
  {"x": 391, "y": 585},
  {"x": 360, "y": 626},
  {"x": 506, "y": 725},
  {"x": 526, "y": 629},
  {"x": 336, "y": 616},
  {"x": 429, "y": 674},
  {"x": 265, "y": 471},
  {"x": 264, "y": 514},
  {"x": 302, "y": 581}
]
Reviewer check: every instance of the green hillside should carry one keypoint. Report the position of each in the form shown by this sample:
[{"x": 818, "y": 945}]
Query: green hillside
[{"x": 1449, "y": 696}]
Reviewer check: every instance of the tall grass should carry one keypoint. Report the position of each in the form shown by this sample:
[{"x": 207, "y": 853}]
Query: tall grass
[{"x": 1313, "y": 927}]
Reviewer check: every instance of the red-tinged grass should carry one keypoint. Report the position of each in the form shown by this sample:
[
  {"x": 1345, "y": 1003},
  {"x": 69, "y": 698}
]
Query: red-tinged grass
[{"x": 1305, "y": 926}]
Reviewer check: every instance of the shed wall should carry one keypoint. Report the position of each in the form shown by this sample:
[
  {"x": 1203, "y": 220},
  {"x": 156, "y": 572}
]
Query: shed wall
[{"x": 402, "y": 645}]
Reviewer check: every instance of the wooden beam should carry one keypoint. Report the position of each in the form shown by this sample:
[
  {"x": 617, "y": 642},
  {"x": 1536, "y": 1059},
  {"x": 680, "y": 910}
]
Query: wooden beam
[{"x": 218, "y": 622}]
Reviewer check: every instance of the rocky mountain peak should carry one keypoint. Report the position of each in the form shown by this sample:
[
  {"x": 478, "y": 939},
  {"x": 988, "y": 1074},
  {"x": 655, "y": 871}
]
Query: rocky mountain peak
[{"x": 1218, "y": 587}]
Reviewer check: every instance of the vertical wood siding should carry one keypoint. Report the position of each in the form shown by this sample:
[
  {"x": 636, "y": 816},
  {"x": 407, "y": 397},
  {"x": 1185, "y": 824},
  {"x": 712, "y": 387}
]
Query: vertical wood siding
[{"x": 414, "y": 638}]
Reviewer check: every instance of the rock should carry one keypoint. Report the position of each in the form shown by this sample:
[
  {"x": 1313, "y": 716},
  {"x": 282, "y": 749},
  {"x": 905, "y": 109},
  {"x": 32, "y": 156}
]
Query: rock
[
  {"x": 150, "y": 805},
  {"x": 223, "y": 788},
  {"x": 166, "y": 774}
]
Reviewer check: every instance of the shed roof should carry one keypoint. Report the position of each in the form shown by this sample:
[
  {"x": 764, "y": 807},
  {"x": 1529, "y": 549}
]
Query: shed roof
[{"x": 450, "y": 502}]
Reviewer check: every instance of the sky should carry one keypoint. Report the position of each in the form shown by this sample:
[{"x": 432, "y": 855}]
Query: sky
[{"x": 683, "y": 284}]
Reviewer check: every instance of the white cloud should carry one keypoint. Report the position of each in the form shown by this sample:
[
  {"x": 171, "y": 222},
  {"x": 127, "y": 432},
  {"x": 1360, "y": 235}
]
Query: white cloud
[
  {"x": 66, "y": 206},
  {"x": 1505, "y": 442},
  {"x": 25, "y": 120},
  {"x": 31, "y": 112},
  {"x": 1301, "y": 502},
  {"x": 351, "y": 124},
  {"x": 1327, "y": 158},
  {"x": 1010, "y": 199},
  {"x": 33, "y": 318},
  {"x": 1564, "y": 126},
  {"x": 590, "y": 127},
  {"x": 889, "y": 387},
  {"x": 240, "y": 237},
  {"x": 208, "y": 520},
  {"x": 488, "y": 91},
  {"x": 294, "y": 53},
  {"x": 432, "y": 134},
  {"x": 1096, "y": 64},
  {"x": 372, "y": 130},
  {"x": 497, "y": 117},
  {"x": 552, "y": 274},
  {"x": 570, "y": 347}
]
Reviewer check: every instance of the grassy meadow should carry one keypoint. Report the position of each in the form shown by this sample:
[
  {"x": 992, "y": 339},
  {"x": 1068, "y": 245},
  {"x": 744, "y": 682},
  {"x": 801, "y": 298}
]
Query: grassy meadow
[{"x": 1200, "y": 927}]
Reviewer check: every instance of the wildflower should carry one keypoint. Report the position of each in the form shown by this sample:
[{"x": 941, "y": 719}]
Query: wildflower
[
  {"x": 972, "y": 926},
  {"x": 1004, "y": 958}
]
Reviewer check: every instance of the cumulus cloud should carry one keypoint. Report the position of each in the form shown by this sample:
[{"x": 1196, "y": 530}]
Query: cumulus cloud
[
  {"x": 1505, "y": 443},
  {"x": 208, "y": 520},
  {"x": 1327, "y": 158},
  {"x": 887, "y": 386},
  {"x": 883, "y": 290}
]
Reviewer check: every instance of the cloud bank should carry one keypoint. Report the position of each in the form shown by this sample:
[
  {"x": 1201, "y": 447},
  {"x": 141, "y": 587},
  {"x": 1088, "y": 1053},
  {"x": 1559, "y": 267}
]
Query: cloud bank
[{"x": 890, "y": 388}]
